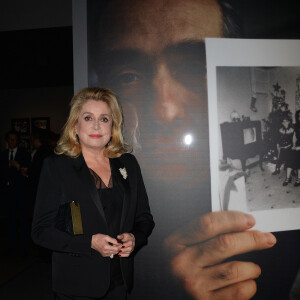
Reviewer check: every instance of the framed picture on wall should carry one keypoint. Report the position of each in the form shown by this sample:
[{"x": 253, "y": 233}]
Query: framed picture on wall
[
  {"x": 22, "y": 126},
  {"x": 42, "y": 122}
]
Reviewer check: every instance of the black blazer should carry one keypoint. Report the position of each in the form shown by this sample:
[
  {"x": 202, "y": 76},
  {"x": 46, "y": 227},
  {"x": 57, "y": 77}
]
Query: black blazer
[{"x": 76, "y": 268}]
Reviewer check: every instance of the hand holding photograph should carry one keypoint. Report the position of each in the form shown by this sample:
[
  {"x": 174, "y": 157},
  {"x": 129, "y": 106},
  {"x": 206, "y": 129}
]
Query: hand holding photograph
[{"x": 254, "y": 109}]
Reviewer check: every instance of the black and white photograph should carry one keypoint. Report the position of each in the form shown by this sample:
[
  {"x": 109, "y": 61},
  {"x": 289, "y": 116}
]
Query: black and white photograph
[
  {"x": 22, "y": 126},
  {"x": 254, "y": 109}
]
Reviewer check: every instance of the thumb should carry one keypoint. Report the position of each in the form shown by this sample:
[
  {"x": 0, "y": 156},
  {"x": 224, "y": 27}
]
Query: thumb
[{"x": 120, "y": 236}]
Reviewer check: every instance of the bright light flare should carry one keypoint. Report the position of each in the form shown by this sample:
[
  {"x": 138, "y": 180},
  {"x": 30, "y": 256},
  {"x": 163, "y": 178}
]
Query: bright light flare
[{"x": 188, "y": 139}]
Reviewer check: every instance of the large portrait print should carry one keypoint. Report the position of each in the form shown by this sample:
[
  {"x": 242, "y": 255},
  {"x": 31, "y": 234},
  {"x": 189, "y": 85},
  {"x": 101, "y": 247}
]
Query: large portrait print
[
  {"x": 160, "y": 79},
  {"x": 152, "y": 54}
]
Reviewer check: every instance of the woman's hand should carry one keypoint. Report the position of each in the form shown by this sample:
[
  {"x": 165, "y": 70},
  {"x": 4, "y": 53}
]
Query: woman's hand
[
  {"x": 128, "y": 245},
  {"x": 199, "y": 249},
  {"x": 105, "y": 245}
]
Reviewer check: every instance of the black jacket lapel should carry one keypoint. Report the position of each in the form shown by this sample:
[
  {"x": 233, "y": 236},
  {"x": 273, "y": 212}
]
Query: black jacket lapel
[
  {"x": 85, "y": 177},
  {"x": 122, "y": 183}
]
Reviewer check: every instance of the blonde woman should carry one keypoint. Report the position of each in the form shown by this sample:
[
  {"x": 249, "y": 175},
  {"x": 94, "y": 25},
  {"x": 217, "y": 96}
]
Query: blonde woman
[{"x": 94, "y": 172}]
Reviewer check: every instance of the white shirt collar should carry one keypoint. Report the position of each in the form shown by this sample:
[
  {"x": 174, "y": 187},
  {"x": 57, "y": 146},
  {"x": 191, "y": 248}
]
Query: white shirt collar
[{"x": 14, "y": 152}]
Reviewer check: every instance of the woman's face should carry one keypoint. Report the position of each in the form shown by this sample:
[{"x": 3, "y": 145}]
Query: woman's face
[
  {"x": 94, "y": 125},
  {"x": 285, "y": 123}
]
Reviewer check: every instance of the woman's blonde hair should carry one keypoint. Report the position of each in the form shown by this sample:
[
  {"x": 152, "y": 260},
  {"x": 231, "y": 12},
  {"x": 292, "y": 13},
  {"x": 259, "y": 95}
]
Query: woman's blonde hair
[{"x": 68, "y": 143}]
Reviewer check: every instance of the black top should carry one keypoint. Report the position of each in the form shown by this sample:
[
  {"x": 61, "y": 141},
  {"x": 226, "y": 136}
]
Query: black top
[
  {"x": 297, "y": 133},
  {"x": 286, "y": 137},
  {"x": 112, "y": 203}
]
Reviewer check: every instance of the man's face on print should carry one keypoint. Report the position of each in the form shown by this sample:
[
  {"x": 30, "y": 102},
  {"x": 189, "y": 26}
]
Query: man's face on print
[{"x": 152, "y": 54}]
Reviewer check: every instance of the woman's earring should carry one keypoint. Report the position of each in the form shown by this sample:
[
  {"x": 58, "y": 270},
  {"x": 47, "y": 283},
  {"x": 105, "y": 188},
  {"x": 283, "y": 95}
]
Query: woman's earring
[{"x": 76, "y": 137}]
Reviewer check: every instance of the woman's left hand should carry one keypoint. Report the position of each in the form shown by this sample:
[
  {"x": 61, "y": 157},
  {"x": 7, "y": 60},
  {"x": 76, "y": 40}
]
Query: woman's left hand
[{"x": 128, "y": 245}]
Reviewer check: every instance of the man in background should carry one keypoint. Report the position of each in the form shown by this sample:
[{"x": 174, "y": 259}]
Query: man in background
[{"x": 14, "y": 163}]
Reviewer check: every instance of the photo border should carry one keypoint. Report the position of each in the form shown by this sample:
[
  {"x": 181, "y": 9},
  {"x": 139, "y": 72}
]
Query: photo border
[{"x": 242, "y": 52}]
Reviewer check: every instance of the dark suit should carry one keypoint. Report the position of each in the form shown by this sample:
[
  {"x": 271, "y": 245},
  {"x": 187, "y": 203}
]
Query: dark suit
[
  {"x": 13, "y": 187},
  {"x": 77, "y": 269},
  {"x": 10, "y": 176}
]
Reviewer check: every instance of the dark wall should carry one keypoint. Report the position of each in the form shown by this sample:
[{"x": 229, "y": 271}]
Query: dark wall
[
  {"x": 36, "y": 78},
  {"x": 271, "y": 19},
  {"x": 36, "y": 58}
]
